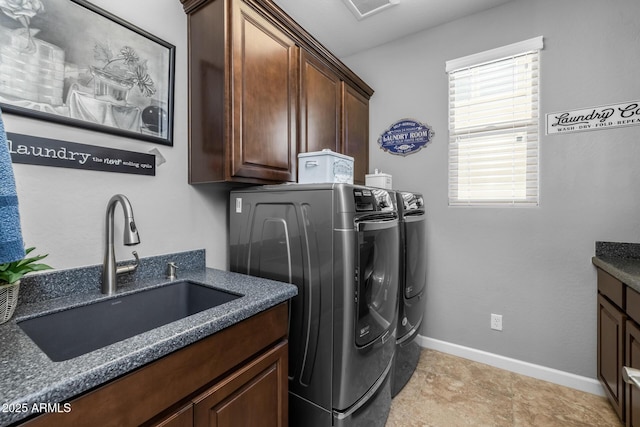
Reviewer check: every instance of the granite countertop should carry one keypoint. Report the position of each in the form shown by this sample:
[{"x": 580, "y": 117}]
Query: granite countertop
[
  {"x": 621, "y": 260},
  {"x": 30, "y": 378}
]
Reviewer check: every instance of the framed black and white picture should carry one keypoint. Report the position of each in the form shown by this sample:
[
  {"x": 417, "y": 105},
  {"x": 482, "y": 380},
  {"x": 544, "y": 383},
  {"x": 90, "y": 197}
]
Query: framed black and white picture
[{"x": 70, "y": 62}]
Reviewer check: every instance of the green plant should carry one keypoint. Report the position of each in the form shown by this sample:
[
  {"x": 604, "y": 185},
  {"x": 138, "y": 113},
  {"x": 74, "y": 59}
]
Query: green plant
[{"x": 11, "y": 272}]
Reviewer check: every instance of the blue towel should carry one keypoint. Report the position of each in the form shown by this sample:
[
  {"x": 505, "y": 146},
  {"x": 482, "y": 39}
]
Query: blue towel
[{"x": 11, "y": 244}]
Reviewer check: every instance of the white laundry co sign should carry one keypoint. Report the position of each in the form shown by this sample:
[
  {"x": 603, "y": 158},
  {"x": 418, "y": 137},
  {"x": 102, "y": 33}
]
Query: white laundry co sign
[{"x": 605, "y": 117}]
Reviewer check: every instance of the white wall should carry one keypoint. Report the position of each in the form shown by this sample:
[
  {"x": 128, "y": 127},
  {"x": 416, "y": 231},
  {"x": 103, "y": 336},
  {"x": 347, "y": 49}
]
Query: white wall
[
  {"x": 532, "y": 265},
  {"x": 62, "y": 210}
]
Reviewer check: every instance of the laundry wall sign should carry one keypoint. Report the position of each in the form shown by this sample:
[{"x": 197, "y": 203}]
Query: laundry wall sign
[
  {"x": 595, "y": 118},
  {"x": 33, "y": 150},
  {"x": 405, "y": 136}
]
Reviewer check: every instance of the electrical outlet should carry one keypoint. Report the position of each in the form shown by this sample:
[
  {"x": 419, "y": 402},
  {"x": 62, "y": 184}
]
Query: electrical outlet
[{"x": 496, "y": 322}]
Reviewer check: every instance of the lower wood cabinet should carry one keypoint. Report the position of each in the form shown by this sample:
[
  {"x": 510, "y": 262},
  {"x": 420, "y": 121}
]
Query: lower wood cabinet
[
  {"x": 236, "y": 377},
  {"x": 181, "y": 418},
  {"x": 632, "y": 395},
  {"x": 619, "y": 345},
  {"x": 254, "y": 395},
  {"x": 611, "y": 340}
]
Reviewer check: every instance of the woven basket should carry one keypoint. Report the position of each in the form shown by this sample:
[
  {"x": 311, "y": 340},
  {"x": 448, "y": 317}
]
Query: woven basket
[{"x": 8, "y": 300}]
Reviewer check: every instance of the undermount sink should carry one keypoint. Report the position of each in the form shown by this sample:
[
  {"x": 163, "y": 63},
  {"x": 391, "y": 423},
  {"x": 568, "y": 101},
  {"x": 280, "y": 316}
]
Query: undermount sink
[{"x": 70, "y": 333}]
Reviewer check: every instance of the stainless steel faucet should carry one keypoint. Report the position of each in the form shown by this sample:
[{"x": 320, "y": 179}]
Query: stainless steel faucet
[{"x": 131, "y": 237}]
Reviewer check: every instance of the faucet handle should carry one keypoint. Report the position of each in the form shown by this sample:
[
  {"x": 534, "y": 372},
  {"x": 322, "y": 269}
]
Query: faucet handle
[
  {"x": 131, "y": 267},
  {"x": 171, "y": 271}
]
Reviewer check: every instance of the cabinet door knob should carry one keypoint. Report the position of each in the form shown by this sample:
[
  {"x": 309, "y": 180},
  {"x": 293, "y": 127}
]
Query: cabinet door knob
[{"x": 631, "y": 376}]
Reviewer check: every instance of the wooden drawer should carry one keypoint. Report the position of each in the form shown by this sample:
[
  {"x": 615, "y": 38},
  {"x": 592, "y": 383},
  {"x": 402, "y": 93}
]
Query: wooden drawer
[
  {"x": 633, "y": 305},
  {"x": 611, "y": 288}
]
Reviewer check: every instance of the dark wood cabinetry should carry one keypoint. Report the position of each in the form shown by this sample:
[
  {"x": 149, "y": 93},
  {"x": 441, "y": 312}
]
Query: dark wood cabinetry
[
  {"x": 264, "y": 106},
  {"x": 632, "y": 397},
  {"x": 261, "y": 90},
  {"x": 356, "y": 131},
  {"x": 619, "y": 344},
  {"x": 255, "y": 394},
  {"x": 228, "y": 379},
  {"x": 320, "y": 105},
  {"x": 611, "y": 326},
  {"x": 181, "y": 418},
  {"x": 333, "y": 114},
  {"x": 243, "y": 97},
  {"x": 248, "y": 396}
]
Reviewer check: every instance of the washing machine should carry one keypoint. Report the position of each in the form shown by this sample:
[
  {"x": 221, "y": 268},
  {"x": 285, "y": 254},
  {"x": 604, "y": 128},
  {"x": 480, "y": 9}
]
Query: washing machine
[
  {"x": 338, "y": 243},
  {"x": 413, "y": 277}
]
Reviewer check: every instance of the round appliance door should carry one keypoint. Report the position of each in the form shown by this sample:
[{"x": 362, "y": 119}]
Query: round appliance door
[
  {"x": 415, "y": 268},
  {"x": 377, "y": 284}
]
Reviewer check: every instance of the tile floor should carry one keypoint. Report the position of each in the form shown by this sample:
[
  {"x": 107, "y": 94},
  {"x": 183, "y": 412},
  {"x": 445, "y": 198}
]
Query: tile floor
[{"x": 448, "y": 391}]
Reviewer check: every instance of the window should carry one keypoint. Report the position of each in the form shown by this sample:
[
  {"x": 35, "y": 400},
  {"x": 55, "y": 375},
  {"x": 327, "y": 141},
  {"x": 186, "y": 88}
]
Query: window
[{"x": 493, "y": 126}]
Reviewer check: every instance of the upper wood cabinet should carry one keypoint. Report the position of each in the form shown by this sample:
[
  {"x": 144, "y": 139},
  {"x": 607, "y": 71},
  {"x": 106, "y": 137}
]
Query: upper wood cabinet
[
  {"x": 355, "y": 128},
  {"x": 320, "y": 105},
  {"x": 242, "y": 95},
  {"x": 333, "y": 114},
  {"x": 261, "y": 90},
  {"x": 264, "y": 82}
]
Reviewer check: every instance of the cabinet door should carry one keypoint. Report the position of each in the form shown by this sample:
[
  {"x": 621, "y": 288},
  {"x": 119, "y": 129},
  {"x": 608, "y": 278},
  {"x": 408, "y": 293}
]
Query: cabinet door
[
  {"x": 632, "y": 395},
  {"x": 207, "y": 105},
  {"x": 355, "y": 118},
  {"x": 264, "y": 103},
  {"x": 254, "y": 395},
  {"x": 183, "y": 417},
  {"x": 611, "y": 335},
  {"x": 319, "y": 105}
]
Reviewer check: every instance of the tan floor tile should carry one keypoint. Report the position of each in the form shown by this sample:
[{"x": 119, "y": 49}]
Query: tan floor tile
[
  {"x": 540, "y": 403},
  {"x": 496, "y": 380},
  {"x": 448, "y": 391}
]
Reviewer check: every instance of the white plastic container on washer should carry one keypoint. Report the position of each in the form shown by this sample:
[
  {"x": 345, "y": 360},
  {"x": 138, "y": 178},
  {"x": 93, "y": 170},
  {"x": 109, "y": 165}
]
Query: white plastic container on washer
[
  {"x": 324, "y": 166},
  {"x": 378, "y": 179}
]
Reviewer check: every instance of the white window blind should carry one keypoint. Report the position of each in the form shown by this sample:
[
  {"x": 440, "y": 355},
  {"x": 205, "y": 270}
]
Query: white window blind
[{"x": 493, "y": 126}]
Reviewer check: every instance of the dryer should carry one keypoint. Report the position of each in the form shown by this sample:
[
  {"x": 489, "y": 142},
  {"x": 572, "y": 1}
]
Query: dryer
[
  {"x": 338, "y": 243},
  {"x": 413, "y": 277}
]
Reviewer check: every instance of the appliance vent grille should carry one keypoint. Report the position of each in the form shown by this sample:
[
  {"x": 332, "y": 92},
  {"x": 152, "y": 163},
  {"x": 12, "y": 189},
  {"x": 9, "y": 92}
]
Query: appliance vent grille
[{"x": 364, "y": 8}]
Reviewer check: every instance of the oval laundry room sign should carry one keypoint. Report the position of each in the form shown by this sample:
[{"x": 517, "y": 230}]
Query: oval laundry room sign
[{"x": 405, "y": 136}]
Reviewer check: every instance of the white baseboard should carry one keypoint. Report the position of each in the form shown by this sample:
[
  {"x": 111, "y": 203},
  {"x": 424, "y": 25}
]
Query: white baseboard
[{"x": 555, "y": 376}]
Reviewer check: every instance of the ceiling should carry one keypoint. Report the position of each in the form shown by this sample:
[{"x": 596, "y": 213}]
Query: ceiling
[{"x": 332, "y": 23}]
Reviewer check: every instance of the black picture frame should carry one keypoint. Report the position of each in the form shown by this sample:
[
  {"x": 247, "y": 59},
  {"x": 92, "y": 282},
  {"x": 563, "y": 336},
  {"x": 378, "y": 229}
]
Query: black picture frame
[{"x": 71, "y": 62}]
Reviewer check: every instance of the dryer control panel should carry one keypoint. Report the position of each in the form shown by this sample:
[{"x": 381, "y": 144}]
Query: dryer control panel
[
  {"x": 411, "y": 203},
  {"x": 372, "y": 200}
]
